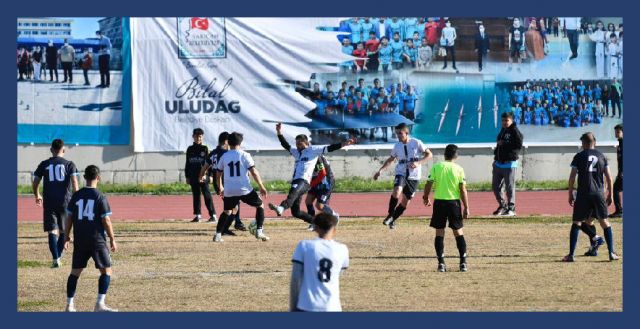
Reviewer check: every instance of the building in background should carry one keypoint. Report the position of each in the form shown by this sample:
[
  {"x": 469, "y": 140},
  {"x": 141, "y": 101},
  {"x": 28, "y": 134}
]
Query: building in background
[
  {"x": 45, "y": 27},
  {"x": 111, "y": 27}
]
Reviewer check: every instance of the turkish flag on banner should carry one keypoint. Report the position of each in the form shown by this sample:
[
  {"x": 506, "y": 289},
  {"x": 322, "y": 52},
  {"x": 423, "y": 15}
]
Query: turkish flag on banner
[{"x": 199, "y": 23}]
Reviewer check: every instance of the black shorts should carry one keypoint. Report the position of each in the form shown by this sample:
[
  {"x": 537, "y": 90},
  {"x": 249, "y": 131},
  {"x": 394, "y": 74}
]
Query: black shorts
[
  {"x": 98, "y": 251},
  {"x": 515, "y": 49},
  {"x": 590, "y": 206},
  {"x": 252, "y": 199},
  {"x": 408, "y": 186},
  {"x": 54, "y": 219},
  {"x": 322, "y": 193},
  {"x": 444, "y": 210}
]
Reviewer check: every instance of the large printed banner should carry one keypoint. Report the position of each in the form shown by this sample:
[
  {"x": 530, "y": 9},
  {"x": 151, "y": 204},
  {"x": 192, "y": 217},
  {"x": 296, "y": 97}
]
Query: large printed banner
[{"x": 224, "y": 74}]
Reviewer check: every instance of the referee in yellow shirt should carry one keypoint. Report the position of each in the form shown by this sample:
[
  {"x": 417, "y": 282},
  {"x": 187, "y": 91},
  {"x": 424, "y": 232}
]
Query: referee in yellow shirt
[{"x": 447, "y": 179}]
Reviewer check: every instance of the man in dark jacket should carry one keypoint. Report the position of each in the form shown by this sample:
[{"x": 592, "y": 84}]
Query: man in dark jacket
[
  {"x": 482, "y": 45},
  {"x": 617, "y": 185},
  {"x": 196, "y": 156},
  {"x": 509, "y": 143},
  {"x": 51, "y": 54}
]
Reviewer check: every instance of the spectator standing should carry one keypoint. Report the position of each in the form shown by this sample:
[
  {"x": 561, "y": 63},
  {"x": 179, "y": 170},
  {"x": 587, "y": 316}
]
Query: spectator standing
[
  {"x": 516, "y": 42},
  {"x": 509, "y": 144},
  {"x": 572, "y": 26},
  {"x": 67, "y": 58},
  {"x": 448, "y": 40},
  {"x": 87, "y": 61},
  {"x": 104, "y": 58},
  {"x": 51, "y": 55},
  {"x": 482, "y": 45},
  {"x": 615, "y": 95}
]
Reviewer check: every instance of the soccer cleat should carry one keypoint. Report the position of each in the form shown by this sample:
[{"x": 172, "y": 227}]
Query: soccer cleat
[
  {"x": 616, "y": 214},
  {"x": 261, "y": 236},
  {"x": 593, "y": 249},
  {"x": 213, "y": 219},
  {"x": 70, "y": 308},
  {"x": 508, "y": 213},
  {"x": 102, "y": 307},
  {"x": 56, "y": 263},
  {"x": 591, "y": 252},
  {"x": 498, "y": 211},
  {"x": 195, "y": 219},
  {"x": 442, "y": 267},
  {"x": 613, "y": 256},
  {"x": 278, "y": 209},
  {"x": 463, "y": 267},
  {"x": 311, "y": 227},
  {"x": 387, "y": 220},
  {"x": 217, "y": 238},
  {"x": 229, "y": 233},
  {"x": 240, "y": 227},
  {"x": 392, "y": 225},
  {"x": 568, "y": 259}
]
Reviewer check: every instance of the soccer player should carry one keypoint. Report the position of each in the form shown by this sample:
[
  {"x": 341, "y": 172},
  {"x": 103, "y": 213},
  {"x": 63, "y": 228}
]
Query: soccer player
[
  {"x": 196, "y": 155},
  {"x": 210, "y": 168},
  {"x": 447, "y": 178},
  {"x": 590, "y": 202},
  {"x": 410, "y": 153},
  {"x": 59, "y": 175},
  {"x": 617, "y": 185},
  {"x": 509, "y": 143},
  {"x": 306, "y": 157},
  {"x": 89, "y": 215},
  {"x": 235, "y": 166},
  {"x": 317, "y": 265},
  {"x": 322, "y": 182}
]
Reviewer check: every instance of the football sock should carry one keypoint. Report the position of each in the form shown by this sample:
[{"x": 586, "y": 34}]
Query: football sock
[
  {"x": 103, "y": 284},
  {"x": 230, "y": 219},
  {"x": 439, "y": 245},
  {"x": 573, "y": 238},
  {"x": 60, "y": 244},
  {"x": 53, "y": 245},
  {"x": 589, "y": 230},
  {"x": 608, "y": 236},
  {"x": 398, "y": 212},
  {"x": 462, "y": 248},
  {"x": 72, "y": 282},
  {"x": 311, "y": 210},
  {"x": 222, "y": 222},
  {"x": 259, "y": 217},
  {"x": 393, "y": 202}
]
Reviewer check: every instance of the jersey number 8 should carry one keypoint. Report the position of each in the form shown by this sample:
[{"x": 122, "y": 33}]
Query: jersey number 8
[{"x": 324, "y": 275}]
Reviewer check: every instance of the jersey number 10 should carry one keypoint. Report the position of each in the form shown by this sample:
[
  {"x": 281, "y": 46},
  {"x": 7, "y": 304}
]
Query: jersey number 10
[{"x": 56, "y": 172}]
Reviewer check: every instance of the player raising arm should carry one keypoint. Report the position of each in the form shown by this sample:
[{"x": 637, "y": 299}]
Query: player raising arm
[
  {"x": 306, "y": 157},
  {"x": 411, "y": 154}
]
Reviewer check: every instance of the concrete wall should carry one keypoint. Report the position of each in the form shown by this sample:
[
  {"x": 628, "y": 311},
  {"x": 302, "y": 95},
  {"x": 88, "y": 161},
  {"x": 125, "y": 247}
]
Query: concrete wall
[{"x": 120, "y": 165}]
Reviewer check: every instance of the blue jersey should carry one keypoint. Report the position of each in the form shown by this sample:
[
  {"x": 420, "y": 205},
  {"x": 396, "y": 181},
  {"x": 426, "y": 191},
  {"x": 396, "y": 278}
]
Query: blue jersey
[
  {"x": 420, "y": 27},
  {"x": 398, "y": 48},
  {"x": 520, "y": 96},
  {"x": 366, "y": 29},
  {"x": 356, "y": 31},
  {"x": 349, "y": 51},
  {"x": 396, "y": 27},
  {"x": 412, "y": 52},
  {"x": 581, "y": 89},
  {"x": 597, "y": 92},
  {"x": 409, "y": 101},
  {"x": 384, "y": 55},
  {"x": 342, "y": 103},
  {"x": 86, "y": 210},
  {"x": 410, "y": 26},
  {"x": 320, "y": 108}
]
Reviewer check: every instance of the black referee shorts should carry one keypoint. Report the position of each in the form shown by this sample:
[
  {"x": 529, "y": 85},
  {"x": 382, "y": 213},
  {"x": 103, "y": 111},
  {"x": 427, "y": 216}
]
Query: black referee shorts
[
  {"x": 590, "y": 206},
  {"x": 252, "y": 199},
  {"x": 446, "y": 210}
]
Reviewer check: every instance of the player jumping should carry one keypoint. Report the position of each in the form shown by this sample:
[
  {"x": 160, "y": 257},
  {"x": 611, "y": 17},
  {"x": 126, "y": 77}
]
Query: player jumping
[
  {"x": 306, "y": 157},
  {"x": 322, "y": 183},
  {"x": 410, "y": 153}
]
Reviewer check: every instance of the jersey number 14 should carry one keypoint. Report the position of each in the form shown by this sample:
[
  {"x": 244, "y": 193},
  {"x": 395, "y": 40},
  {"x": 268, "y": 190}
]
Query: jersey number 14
[{"x": 85, "y": 211}]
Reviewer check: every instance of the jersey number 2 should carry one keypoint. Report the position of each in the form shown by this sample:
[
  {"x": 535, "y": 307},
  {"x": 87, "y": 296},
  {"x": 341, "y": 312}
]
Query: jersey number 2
[
  {"x": 85, "y": 211},
  {"x": 593, "y": 160},
  {"x": 324, "y": 274},
  {"x": 237, "y": 167}
]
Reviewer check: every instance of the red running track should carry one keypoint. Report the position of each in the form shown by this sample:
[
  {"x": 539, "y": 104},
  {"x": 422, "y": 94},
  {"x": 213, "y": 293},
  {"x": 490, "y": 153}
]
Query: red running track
[{"x": 179, "y": 207}]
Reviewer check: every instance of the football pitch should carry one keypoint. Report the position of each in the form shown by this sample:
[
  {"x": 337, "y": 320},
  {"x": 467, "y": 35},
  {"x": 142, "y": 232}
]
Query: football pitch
[{"x": 514, "y": 265}]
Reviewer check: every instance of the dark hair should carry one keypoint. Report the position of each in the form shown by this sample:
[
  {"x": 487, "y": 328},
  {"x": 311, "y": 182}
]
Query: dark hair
[
  {"x": 223, "y": 137},
  {"x": 508, "y": 115},
  {"x": 396, "y": 33},
  {"x": 451, "y": 152},
  {"x": 618, "y": 127},
  {"x": 303, "y": 137},
  {"x": 235, "y": 139},
  {"x": 325, "y": 222},
  {"x": 198, "y": 131},
  {"x": 99, "y": 32},
  {"x": 402, "y": 126},
  {"x": 57, "y": 145},
  {"x": 91, "y": 172},
  {"x": 384, "y": 38},
  {"x": 372, "y": 32}
]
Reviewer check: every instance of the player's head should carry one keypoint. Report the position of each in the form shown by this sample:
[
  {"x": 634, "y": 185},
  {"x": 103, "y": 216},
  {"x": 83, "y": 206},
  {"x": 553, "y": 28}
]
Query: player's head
[
  {"x": 92, "y": 174},
  {"x": 198, "y": 134},
  {"x": 223, "y": 138},
  {"x": 57, "y": 147},
  {"x": 99, "y": 34},
  {"x": 325, "y": 224},
  {"x": 302, "y": 141},
  {"x": 235, "y": 140},
  {"x": 588, "y": 140},
  {"x": 402, "y": 131},
  {"x": 507, "y": 119},
  {"x": 618, "y": 131},
  {"x": 451, "y": 152}
]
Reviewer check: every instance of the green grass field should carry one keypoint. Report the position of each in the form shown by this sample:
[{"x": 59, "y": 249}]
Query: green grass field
[{"x": 514, "y": 265}]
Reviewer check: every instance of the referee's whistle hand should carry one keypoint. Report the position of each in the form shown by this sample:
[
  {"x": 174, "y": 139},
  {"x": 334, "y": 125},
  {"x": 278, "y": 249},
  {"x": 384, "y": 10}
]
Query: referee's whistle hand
[
  {"x": 465, "y": 213},
  {"x": 427, "y": 202}
]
